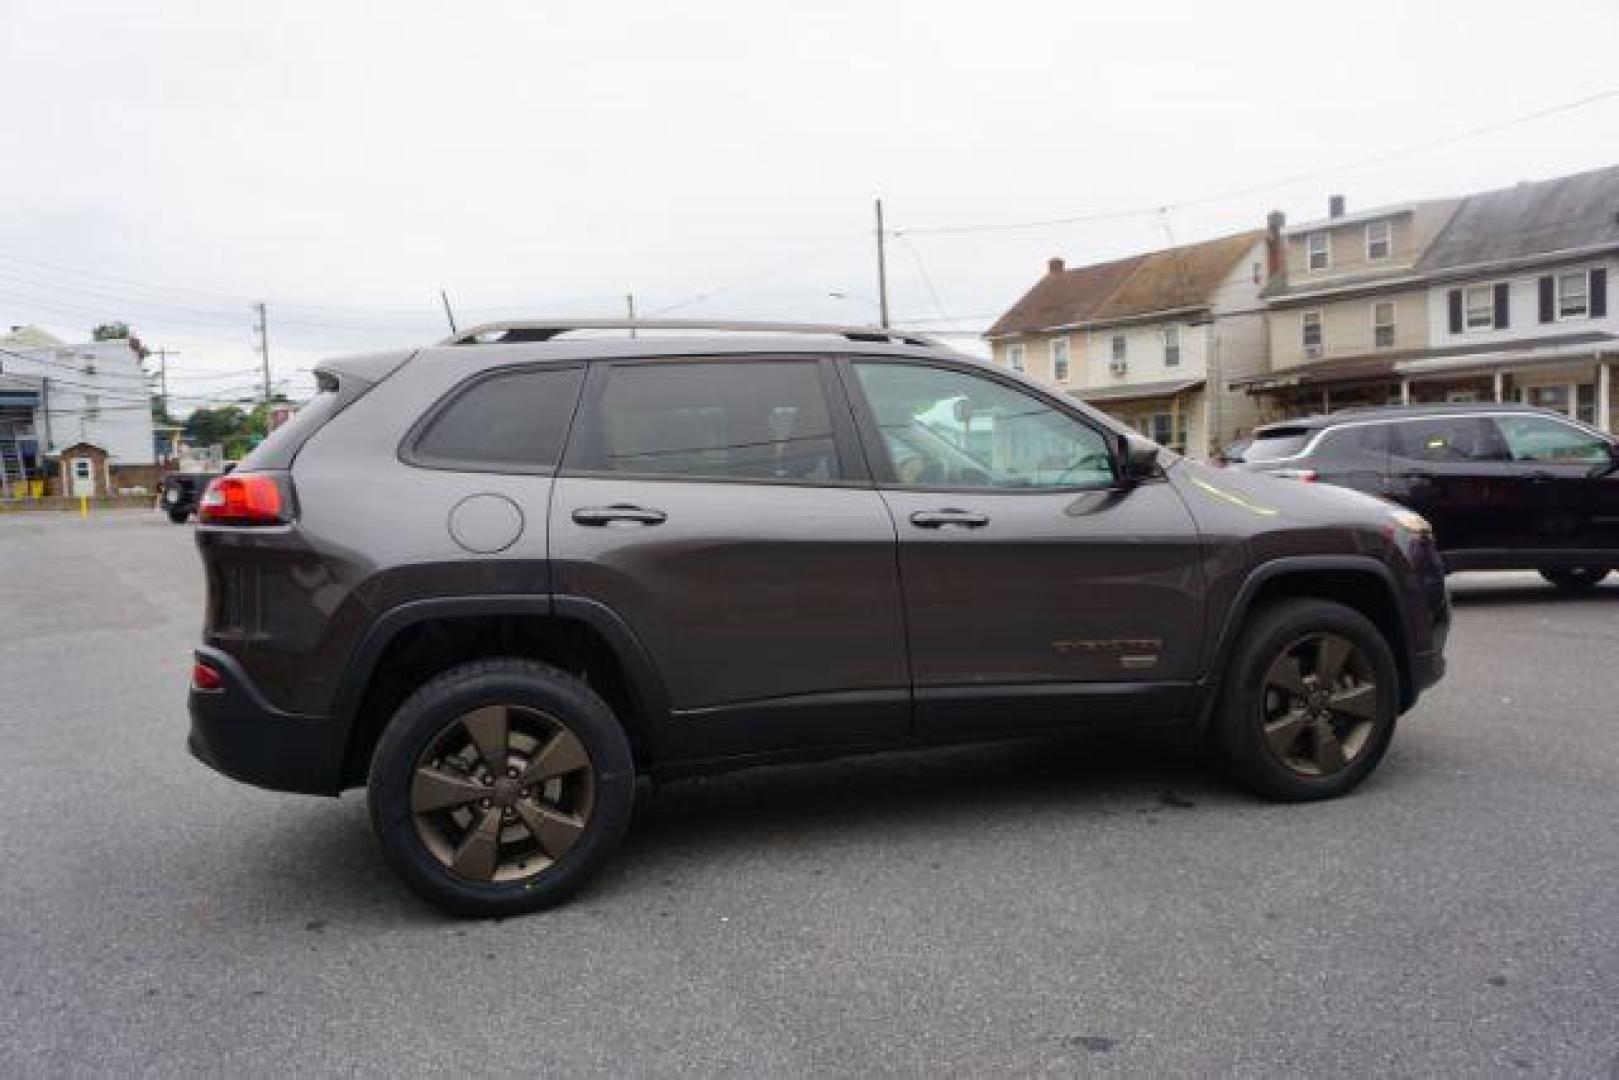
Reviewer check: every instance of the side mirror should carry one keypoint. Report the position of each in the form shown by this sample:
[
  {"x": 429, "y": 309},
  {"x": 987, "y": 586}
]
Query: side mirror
[{"x": 1138, "y": 460}]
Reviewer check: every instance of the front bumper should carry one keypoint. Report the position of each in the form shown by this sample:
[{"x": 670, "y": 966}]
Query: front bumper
[{"x": 235, "y": 731}]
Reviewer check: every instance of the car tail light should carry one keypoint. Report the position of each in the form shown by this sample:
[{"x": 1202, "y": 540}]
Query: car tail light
[
  {"x": 243, "y": 499},
  {"x": 1307, "y": 475},
  {"x": 204, "y": 677}
]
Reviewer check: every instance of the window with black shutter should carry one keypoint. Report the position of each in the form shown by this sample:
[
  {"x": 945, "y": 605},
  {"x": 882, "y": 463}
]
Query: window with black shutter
[
  {"x": 1503, "y": 307},
  {"x": 1548, "y": 299}
]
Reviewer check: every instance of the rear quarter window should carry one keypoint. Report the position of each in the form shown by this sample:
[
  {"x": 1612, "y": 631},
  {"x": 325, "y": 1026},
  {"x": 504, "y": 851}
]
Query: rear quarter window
[{"x": 510, "y": 421}]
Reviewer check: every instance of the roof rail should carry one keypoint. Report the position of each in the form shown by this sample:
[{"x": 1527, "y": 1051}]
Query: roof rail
[{"x": 521, "y": 330}]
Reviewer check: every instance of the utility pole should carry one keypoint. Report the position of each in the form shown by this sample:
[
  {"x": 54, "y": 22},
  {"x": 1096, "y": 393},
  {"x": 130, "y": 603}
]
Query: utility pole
[
  {"x": 882, "y": 268},
  {"x": 163, "y": 376},
  {"x": 448, "y": 314},
  {"x": 629, "y": 305},
  {"x": 263, "y": 328}
]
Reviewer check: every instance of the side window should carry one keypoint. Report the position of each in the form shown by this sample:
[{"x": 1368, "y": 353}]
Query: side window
[
  {"x": 517, "y": 419},
  {"x": 1535, "y": 438},
  {"x": 947, "y": 428},
  {"x": 764, "y": 420},
  {"x": 1456, "y": 440}
]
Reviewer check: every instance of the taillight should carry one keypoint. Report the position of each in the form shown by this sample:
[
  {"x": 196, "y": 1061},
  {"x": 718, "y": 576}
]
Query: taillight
[
  {"x": 204, "y": 677},
  {"x": 1307, "y": 475},
  {"x": 243, "y": 499}
]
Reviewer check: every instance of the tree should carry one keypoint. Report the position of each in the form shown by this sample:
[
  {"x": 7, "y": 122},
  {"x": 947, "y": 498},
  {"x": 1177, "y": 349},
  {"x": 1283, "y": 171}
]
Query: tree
[
  {"x": 111, "y": 331},
  {"x": 225, "y": 425}
]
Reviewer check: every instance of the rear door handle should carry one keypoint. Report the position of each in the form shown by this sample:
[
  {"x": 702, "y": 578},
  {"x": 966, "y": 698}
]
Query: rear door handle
[
  {"x": 1418, "y": 476},
  {"x": 938, "y": 519},
  {"x": 1539, "y": 477},
  {"x": 607, "y": 515}
]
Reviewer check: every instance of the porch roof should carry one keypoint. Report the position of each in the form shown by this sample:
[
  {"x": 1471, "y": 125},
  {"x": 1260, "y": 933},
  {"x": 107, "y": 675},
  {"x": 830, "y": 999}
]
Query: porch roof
[{"x": 1138, "y": 391}]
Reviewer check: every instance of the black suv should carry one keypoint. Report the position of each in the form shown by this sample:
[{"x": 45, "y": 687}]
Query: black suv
[
  {"x": 497, "y": 580},
  {"x": 1507, "y": 487}
]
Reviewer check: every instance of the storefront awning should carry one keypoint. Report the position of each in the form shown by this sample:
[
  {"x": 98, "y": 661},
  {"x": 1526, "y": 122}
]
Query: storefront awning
[{"x": 1108, "y": 395}]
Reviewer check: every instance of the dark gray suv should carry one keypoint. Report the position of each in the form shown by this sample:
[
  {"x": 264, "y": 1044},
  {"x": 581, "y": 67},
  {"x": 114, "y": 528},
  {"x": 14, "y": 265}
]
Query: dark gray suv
[{"x": 497, "y": 580}]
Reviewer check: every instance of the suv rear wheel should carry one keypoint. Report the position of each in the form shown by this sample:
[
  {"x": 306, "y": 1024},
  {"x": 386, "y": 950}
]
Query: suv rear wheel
[
  {"x": 1309, "y": 702},
  {"x": 1575, "y": 578},
  {"x": 500, "y": 787}
]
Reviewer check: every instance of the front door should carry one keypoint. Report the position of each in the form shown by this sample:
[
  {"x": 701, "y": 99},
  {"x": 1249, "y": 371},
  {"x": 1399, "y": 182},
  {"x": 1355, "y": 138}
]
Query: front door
[
  {"x": 719, "y": 507},
  {"x": 1569, "y": 484},
  {"x": 83, "y": 472},
  {"x": 1456, "y": 472},
  {"x": 1038, "y": 592}
]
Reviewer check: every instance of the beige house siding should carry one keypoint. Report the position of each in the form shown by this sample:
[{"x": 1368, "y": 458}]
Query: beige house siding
[
  {"x": 1413, "y": 229},
  {"x": 1037, "y": 357},
  {"x": 1241, "y": 349},
  {"x": 1347, "y": 326}
]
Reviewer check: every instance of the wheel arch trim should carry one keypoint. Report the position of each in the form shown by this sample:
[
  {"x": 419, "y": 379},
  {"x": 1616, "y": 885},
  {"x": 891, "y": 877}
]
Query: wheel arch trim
[{"x": 644, "y": 685}]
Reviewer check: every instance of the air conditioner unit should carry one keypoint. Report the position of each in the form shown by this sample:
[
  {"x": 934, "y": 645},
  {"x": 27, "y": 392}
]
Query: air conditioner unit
[
  {"x": 1312, "y": 352},
  {"x": 1118, "y": 367}
]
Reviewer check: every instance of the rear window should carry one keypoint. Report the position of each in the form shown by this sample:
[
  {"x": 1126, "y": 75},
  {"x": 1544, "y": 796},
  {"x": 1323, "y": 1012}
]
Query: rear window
[
  {"x": 1277, "y": 443},
  {"x": 279, "y": 447},
  {"x": 517, "y": 420}
]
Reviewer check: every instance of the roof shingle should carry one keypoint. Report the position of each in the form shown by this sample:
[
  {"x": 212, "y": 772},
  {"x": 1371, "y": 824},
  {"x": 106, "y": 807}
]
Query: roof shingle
[{"x": 1579, "y": 211}]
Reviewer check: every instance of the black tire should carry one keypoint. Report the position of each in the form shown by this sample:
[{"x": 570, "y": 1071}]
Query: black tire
[
  {"x": 178, "y": 515},
  {"x": 1241, "y": 720},
  {"x": 1575, "y": 578},
  {"x": 435, "y": 712}
]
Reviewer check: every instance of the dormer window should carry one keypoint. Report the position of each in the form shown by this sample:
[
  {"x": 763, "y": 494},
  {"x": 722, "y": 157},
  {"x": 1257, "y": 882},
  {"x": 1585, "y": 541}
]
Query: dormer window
[
  {"x": 1379, "y": 240},
  {"x": 1320, "y": 254}
]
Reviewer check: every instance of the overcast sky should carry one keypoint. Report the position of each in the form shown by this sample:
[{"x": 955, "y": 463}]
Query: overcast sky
[{"x": 168, "y": 164}]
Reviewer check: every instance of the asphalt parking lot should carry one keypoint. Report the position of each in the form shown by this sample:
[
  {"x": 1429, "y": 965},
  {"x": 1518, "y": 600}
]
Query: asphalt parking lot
[{"x": 1091, "y": 907}]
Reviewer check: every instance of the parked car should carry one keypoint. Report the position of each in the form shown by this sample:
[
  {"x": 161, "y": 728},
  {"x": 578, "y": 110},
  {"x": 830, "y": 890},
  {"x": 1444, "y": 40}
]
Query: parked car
[
  {"x": 496, "y": 580},
  {"x": 182, "y": 491},
  {"x": 1507, "y": 487}
]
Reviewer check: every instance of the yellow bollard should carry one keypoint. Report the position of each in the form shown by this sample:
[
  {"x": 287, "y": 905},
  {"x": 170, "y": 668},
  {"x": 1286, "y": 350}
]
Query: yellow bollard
[{"x": 84, "y": 506}]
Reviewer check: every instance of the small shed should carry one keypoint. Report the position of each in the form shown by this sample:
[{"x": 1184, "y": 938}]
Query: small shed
[{"x": 83, "y": 471}]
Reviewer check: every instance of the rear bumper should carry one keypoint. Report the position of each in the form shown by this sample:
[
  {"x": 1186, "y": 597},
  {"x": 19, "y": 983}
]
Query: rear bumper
[{"x": 236, "y": 732}]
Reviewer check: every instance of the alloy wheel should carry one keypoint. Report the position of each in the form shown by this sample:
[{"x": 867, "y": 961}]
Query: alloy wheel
[
  {"x": 502, "y": 793},
  {"x": 1320, "y": 705}
]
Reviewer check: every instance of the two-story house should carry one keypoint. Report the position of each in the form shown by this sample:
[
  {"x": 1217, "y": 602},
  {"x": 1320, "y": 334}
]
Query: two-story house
[
  {"x": 1154, "y": 340},
  {"x": 1348, "y": 303},
  {"x": 1518, "y": 304}
]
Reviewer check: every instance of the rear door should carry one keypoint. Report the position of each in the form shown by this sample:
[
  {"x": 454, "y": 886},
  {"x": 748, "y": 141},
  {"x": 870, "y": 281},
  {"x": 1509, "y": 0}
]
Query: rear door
[
  {"x": 1567, "y": 482},
  {"x": 1353, "y": 456},
  {"x": 1038, "y": 592},
  {"x": 1456, "y": 472},
  {"x": 721, "y": 509}
]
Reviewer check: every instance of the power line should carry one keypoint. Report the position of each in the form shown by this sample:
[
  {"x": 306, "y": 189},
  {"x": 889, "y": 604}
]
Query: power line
[{"x": 1269, "y": 185}]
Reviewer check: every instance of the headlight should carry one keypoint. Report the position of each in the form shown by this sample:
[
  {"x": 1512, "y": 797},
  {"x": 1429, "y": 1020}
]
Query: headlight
[{"x": 1412, "y": 522}]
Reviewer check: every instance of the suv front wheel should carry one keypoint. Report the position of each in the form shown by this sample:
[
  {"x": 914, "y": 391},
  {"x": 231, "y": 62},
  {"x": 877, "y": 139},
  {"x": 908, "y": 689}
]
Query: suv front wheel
[
  {"x": 500, "y": 787},
  {"x": 1309, "y": 701}
]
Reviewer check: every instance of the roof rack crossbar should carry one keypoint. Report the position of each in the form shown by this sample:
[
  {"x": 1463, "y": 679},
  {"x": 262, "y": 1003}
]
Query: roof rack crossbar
[{"x": 521, "y": 330}]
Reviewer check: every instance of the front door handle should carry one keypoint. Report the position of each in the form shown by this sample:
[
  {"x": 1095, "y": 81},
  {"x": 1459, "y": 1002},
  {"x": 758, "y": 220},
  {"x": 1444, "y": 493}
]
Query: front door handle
[
  {"x": 938, "y": 519},
  {"x": 607, "y": 515}
]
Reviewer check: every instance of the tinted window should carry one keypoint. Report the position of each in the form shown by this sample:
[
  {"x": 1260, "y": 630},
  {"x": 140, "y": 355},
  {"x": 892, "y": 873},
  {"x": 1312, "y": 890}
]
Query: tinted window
[
  {"x": 946, "y": 428},
  {"x": 517, "y": 419},
  {"x": 1535, "y": 438},
  {"x": 1277, "y": 443},
  {"x": 1449, "y": 439},
  {"x": 761, "y": 421}
]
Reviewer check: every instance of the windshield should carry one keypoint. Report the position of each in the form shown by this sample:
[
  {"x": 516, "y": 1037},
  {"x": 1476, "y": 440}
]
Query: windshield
[{"x": 1277, "y": 444}]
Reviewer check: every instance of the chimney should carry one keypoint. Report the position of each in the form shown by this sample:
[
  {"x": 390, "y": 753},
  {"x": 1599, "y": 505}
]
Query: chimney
[
  {"x": 1275, "y": 249},
  {"x": 1335, "y": 206},
  {"x": 1054, "y": 265}
]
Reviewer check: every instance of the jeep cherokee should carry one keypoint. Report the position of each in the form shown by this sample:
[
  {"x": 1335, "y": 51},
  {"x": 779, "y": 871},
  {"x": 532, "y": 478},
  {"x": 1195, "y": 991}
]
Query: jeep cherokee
[{"x": 496, "y": 580}]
